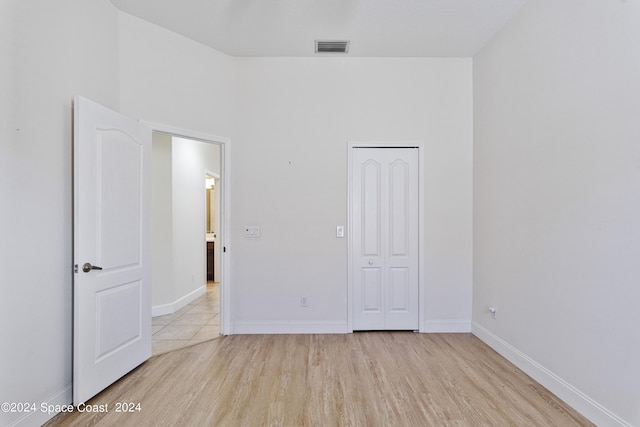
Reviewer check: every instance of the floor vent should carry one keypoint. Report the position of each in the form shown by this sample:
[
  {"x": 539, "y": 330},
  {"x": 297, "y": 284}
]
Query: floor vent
[{"x": 324, "y": 46}]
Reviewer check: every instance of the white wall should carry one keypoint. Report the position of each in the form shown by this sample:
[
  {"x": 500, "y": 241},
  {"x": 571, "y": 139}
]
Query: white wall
[
  {"x": 273, "y": 104},
  {"x": 294, "y": 119},
  {"x": 557, "y": 206},
  {"x": 49, "y": 52},
  {"x": 169, "y": 79},
  {"x": 162, "y": 289}
]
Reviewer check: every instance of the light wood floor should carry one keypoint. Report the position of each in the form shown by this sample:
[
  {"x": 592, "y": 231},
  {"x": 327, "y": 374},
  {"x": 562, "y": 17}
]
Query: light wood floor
[{"x": 361, "y": 379}]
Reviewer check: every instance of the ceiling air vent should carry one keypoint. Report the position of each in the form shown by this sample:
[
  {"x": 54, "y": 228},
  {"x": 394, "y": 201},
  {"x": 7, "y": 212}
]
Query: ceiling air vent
[{"x": 325, "y": 46}]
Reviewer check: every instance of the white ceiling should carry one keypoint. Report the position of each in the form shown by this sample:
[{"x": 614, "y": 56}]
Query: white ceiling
[{"x": 387, "y": 28}]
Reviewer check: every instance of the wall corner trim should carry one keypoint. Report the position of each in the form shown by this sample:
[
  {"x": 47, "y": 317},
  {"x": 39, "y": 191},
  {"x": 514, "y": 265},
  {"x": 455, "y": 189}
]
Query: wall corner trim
[{"x": 582, "y": 403}]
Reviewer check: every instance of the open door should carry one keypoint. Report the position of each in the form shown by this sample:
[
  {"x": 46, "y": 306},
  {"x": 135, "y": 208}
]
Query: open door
[{"x": 111, "y": 286}]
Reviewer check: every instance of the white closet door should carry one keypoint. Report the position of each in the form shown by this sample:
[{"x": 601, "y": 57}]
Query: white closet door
[{"x": 384, "y": 209}]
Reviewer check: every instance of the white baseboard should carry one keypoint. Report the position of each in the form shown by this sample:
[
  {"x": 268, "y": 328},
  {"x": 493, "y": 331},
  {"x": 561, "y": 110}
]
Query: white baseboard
[
  {"x": 289, "y": 328},
  {"x": 41, "y": 415},
  {"x": 591, "y": 409},
  {"x": 162, "y": 309},
  {"x": 446, "y": 326},
  {"x": 437, "y": 326}
]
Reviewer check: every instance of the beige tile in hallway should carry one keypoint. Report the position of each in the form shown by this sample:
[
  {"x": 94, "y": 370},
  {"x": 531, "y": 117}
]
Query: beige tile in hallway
[{"x": 194, "y": 323}]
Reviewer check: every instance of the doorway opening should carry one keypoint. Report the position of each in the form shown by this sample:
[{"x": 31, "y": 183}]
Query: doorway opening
[
  {"x": 189, "y": 235},
  {"x": 212, "y": 224}
]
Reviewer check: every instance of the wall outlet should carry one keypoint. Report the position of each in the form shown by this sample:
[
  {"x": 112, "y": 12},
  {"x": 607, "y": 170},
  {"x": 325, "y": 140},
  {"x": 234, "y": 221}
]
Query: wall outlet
[
  {"x": 494, "y": 312},
  {"x": 304, "y": 301}
]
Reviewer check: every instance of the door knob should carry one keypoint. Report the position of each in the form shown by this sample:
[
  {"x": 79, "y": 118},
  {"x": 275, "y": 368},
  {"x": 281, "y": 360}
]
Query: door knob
[
  {"x": 87, "y": 267},
  {"x": 370, "y": 262}
]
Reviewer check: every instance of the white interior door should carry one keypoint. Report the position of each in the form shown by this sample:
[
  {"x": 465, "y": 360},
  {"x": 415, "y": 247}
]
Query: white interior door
[
  {"x": 385, "y": 239},
  {"x": 111, "y": 289}
]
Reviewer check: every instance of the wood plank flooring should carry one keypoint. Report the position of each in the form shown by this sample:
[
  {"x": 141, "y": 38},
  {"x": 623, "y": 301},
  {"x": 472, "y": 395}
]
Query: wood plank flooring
[{"x": 361, "y": 379}]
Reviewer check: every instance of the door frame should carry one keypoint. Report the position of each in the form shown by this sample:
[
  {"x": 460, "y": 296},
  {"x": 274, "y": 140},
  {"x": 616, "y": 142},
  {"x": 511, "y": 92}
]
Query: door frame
[
  {"x": 226, "y": 327},
  {"x": 351, "y": 145}
]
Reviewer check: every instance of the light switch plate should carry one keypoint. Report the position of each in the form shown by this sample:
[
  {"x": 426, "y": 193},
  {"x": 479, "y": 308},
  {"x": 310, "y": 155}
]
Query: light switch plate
[
  {"x": 340, "y": 231},
  {"x": 252, "y": 231}
]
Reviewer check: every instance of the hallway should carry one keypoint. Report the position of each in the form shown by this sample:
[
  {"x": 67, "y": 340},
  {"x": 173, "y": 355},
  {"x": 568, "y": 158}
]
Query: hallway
[{"x": 194, "y": 323}]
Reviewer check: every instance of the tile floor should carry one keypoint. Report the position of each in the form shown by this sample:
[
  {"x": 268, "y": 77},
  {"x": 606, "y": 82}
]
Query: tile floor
[{"x": 194, "y": 323}]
